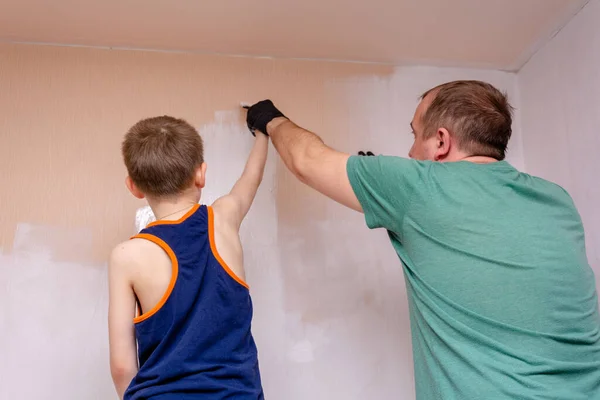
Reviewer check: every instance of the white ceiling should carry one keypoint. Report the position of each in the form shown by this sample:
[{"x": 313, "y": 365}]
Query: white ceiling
[{"x": 487, "y": 33}]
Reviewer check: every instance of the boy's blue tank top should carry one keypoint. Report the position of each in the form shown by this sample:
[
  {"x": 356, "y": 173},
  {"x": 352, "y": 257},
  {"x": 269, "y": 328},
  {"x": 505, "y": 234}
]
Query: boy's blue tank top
[{"x": 196, "y": 343}]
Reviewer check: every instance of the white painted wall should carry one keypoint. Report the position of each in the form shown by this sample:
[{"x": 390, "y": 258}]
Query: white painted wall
[
  {"x": 560, "y": 117},
  {"x": 53, "y": 313}
]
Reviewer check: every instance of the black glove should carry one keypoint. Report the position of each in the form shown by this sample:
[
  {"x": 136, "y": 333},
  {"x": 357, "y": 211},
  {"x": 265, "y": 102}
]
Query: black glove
[{"x": 260, "y": 114}]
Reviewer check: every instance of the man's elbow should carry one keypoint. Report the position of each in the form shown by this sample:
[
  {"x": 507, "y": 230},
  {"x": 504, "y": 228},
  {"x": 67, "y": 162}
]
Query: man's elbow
[
  {"x": 301, "y": 171},
  {"x": 304, "y": 165}
]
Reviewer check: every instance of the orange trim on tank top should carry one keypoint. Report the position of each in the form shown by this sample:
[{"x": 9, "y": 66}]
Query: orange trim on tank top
[
  {"x": 213, "y": 247},
  {"x": 180, "y": 220},
  {"x": 174, "y": 274}
]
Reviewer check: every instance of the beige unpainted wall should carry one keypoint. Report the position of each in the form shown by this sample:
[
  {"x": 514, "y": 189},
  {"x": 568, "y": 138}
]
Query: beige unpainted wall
[{"x": 330, "y": 308}]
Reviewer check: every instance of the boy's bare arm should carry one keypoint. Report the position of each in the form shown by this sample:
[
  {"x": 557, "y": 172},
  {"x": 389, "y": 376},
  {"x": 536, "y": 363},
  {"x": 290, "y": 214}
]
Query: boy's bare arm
[
  {"x": 121, "y": 311},
  {"x": 234, "y": 206}
]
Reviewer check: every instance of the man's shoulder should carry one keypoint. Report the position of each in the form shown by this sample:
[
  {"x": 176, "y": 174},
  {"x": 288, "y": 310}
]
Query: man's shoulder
[
  {"x": 548, "y": 186},
  {"x": 386, "y": 163}
]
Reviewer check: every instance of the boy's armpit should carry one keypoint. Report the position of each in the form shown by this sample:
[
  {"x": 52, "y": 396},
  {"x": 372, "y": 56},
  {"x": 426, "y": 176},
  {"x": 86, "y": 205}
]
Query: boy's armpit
[
  {"x": 228, "y": 211},
  {"x": 225, "y": 240}
]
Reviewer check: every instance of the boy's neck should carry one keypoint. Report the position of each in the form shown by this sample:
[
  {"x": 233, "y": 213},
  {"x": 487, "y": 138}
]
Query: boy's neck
[{"x": 171, "y": 209}]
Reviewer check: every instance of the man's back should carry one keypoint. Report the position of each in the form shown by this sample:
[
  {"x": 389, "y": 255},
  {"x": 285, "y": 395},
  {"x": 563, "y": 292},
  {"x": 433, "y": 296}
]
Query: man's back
[{"x": 503, "y": 302}]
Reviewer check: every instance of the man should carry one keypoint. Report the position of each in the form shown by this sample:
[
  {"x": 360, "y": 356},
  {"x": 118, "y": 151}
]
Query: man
[{"x": 502, "y": 299}]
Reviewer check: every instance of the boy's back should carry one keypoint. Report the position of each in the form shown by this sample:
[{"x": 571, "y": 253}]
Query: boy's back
[
  {"x": 196, "y": 339},
  {"x": 185, "y": 274}
]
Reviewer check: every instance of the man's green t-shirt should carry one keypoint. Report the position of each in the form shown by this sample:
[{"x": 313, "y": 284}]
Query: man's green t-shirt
[{"x": 502, "y": 300}]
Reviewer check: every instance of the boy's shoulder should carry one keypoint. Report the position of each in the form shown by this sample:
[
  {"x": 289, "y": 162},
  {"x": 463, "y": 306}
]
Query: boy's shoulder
[{"x": 130, "y": 254}]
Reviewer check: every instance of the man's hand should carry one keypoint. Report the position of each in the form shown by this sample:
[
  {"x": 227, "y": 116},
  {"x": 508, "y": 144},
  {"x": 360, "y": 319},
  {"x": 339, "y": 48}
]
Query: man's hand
[{"x": 260, "y": 114}]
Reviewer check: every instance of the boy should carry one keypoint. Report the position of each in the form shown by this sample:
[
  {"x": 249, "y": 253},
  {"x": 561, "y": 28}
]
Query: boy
[{"x": 184, "y": 273}]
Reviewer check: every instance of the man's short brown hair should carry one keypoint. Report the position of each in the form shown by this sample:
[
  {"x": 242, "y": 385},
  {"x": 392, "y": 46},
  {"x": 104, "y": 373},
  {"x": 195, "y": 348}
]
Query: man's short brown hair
[
  {"x": 162, "y": 154},
  {"x": 477, "y": 113}
]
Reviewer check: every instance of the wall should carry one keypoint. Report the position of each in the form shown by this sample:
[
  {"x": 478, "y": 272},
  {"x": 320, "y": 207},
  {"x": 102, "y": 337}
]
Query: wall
[
  {"x": 560, "y": 92},
  {"x": 330, "y": 309}
]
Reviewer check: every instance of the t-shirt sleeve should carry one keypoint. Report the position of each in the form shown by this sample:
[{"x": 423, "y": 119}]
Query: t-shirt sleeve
[{"x": 384, "y": 187}]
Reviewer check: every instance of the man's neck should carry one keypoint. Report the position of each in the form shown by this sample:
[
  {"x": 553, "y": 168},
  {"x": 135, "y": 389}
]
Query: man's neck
[{"x": 479, "y": 159}]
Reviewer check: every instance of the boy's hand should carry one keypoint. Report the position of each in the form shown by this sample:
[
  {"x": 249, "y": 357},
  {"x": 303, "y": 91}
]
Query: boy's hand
[{"x": 260, "y": 114}]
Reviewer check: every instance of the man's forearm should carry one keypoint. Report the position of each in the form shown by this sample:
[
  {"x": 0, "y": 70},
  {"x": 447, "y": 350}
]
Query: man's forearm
[{"x": 296, "y": 145}]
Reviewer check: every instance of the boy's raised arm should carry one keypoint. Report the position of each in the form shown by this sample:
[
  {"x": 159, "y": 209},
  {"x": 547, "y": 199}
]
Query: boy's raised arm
[{"x": 235, "y": 205}]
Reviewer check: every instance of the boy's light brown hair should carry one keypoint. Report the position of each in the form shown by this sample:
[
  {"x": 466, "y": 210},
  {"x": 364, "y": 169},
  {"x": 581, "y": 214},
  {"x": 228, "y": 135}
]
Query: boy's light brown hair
[
  {"x": 161, "y": 155},
  {"x": 477, "y": 113}
]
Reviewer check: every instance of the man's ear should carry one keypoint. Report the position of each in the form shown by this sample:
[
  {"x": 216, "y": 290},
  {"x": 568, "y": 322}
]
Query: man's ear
[
  {"x": 133, "y": 189},
  {"x": 443, "y": 144}
]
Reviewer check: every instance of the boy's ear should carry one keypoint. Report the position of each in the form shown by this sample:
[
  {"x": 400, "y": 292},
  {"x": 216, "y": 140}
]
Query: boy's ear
[
  {"x": 133, "y": 189},
  {"x": 200, "y": 180}
]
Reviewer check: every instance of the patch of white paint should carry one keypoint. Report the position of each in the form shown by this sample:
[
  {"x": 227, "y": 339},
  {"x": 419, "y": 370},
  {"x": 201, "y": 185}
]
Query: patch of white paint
[
  {"x": 74, "y": 243},
  {"x": 301, "y": 352},
  {"x": 53, "y": 316},
  {"x": 227, "y": 144}
]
